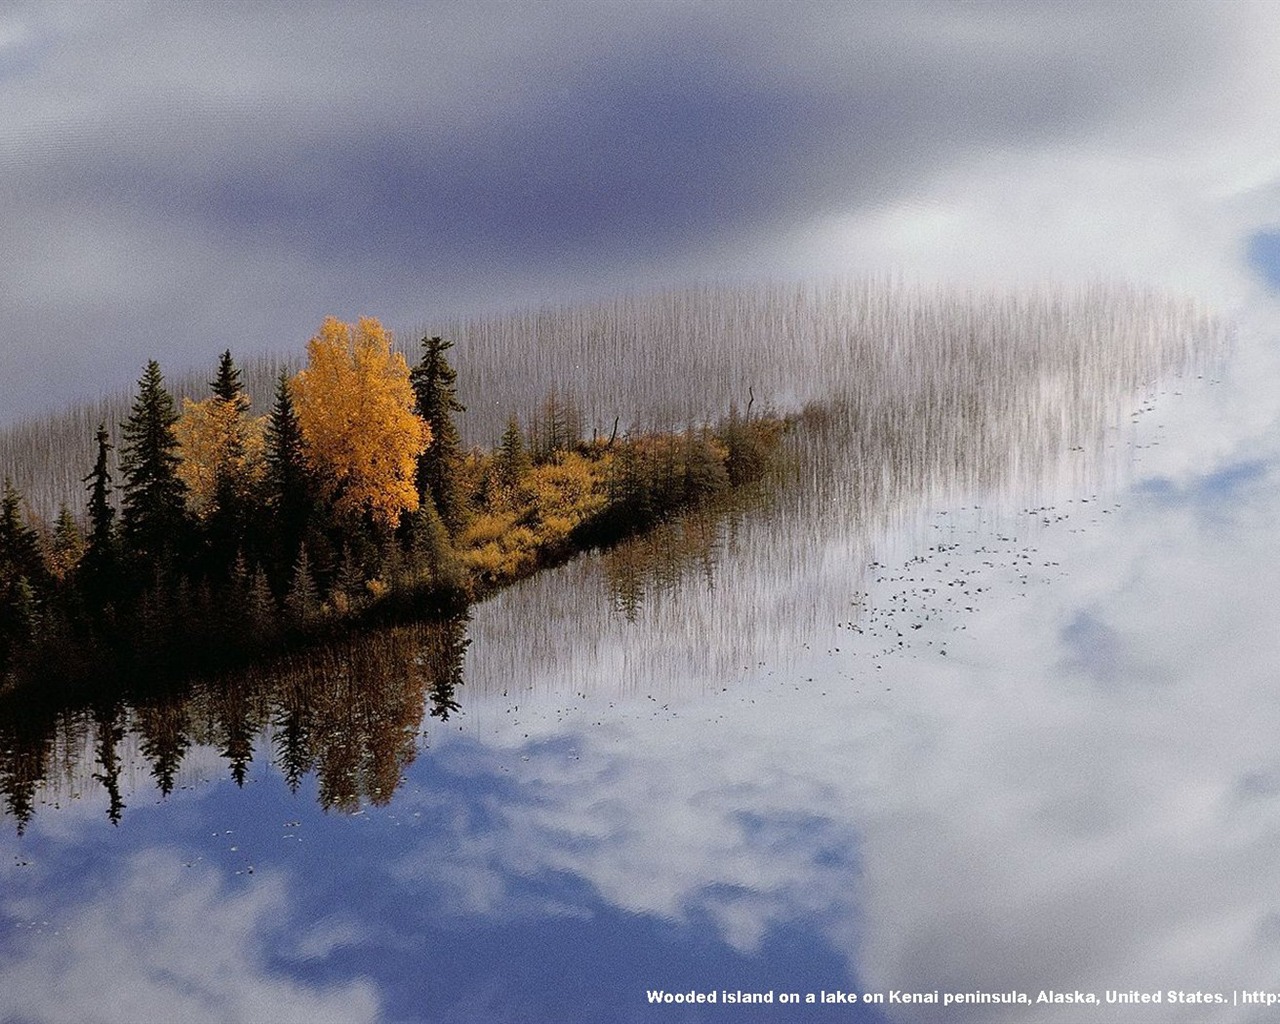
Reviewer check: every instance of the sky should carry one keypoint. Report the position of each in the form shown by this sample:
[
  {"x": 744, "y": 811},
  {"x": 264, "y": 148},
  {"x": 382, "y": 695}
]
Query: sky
[{"x": 176, "y": 179}]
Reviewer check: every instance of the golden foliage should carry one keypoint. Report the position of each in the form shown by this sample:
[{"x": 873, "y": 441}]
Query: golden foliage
[
  {"x": 535, "y": 516},
  {"x": 214, "y": 437},
  {"x": 486, "y": 526},
  {"x": 565, "y": 493},
  {"x": 356, "y": 411}
]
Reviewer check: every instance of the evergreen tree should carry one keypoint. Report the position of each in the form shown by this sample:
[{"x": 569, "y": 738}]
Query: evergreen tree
[
  {"x": 232, "y": 608},
  {"x": 98, "y": 567},
  {"x": 68, "y": 545},
  {"x": 228, "y": 520},
  {"x": 348, "y": 593},
  {"x": 288, "y": 485},
  {"x": 153, "y": 514},
  {"x": 431, "y": 553},
  {"x": 23, "y": 576},
  {"x": 263, "y": 615},
  {"x": 302, "y": 603},
  {"x": 291, "y": 740},
  {"x": 704, "y": 472},
  {"x": 556, "y": 426},
  {"x": 228, "y": 385},
  {"x": 19, "y": 615},
  {"x": 435, "y": 386},
  {"x": 512, "y": 461},
  {"x": 630, "y": 487},
  {"x": 19, "y": 543}
]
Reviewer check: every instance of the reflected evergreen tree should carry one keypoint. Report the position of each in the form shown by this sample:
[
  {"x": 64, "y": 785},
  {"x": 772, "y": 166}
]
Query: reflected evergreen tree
[
  {"x": 24, "y": 757},
  {"x": 108, "y": 719},
  {"x": 625, "y": 579},
  {"x": 359, "y": 705},
  {"x": 292, "y": 742},
  {"x": 442, "y": 656},
  {"x": 162, "y": 726},
  {"x": 237, "y": 732},
  {"x": 664, "y": 557}
]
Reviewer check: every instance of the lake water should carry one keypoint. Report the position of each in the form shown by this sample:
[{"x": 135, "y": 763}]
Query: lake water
[{"x": 995, "y": 716}]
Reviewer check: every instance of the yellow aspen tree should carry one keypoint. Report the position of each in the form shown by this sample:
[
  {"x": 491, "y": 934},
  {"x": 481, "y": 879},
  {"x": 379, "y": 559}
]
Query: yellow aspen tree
[
  {"x": 360, "y": 433},
  {"x": 214, "y": 438}
]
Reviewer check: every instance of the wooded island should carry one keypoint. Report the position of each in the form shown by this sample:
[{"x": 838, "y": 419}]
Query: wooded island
[{"x": 228, "y": 536}]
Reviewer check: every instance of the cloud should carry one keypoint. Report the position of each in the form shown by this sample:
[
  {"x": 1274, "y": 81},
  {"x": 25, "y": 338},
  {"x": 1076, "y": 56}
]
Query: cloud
[
  {"x": 165, "y": 942},
  {"x": 177, "y": 175}
]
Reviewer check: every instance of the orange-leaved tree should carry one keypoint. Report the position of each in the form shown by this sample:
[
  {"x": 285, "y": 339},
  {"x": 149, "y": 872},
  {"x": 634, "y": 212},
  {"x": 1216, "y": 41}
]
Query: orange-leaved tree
[
  {"x": 219, "y": 447},
  {"x": 360, "y": 433}
]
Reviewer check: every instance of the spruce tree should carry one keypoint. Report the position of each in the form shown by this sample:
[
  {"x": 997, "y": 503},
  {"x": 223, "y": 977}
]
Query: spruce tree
[
  {"x": 288, "y": 486},
  {"x": 435, "y": 385},
  {"x": 302, "y": 603},
  {"x": 98, "y": 566},
  {"x": 68, "y": 545},
  {"x": 228, "y": 520},
  {"x": 23, "y": 576},
  {"x": 228, "y": 384},
  {"x": 153, "y": 513},
  {"x": 263, "y": 614},
  {"x": 512, "y": 461},
  {"x": 19, "y": 543},
  {"x": 431, "y": 554}
]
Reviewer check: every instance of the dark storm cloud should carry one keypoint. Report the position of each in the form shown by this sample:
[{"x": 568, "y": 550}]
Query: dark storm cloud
[{"x": 170, "y": 169}]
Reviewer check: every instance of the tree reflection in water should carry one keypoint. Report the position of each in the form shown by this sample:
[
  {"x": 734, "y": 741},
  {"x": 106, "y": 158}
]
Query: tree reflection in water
[{"x": 350, "y": 711}]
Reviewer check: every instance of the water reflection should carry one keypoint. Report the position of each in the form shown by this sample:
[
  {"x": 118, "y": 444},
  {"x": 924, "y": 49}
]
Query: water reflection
[{"x": 350, "y": 711}]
